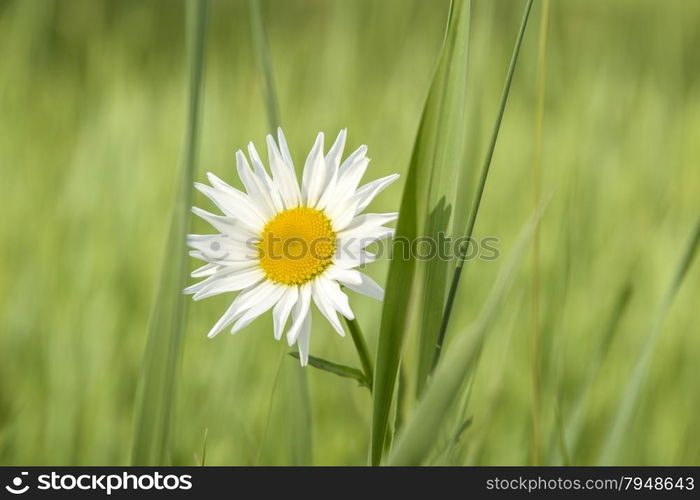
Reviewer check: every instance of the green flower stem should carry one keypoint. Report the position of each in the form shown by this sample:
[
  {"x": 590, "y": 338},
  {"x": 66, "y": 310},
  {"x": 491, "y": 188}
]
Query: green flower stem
[{"x": 362, "y": 351}]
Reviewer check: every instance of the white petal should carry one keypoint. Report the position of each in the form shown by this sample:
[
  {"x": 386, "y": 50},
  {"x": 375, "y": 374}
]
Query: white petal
[
  {"x": 368, "y": 287},
  {"x": 349, "y": 179},
  {"x": 220, "y": 249},
  {"x": 341, "y": 214},
  {"x": 366, "y": 228},
  {"x": 369, "y": 191},
  {"x": 336, "y": 152},
  {"x": 260, "y": 171},
  {"x": 230, "y": 230},
  {"x": 224, "y": 260},
  {"x": 284, "y": 149},
  {"x": 354, "y": 241},
  {"x": 353, "y": 256},
  {"x": 361, "y": 239},
  {"x": 304, "y": 339},
  {"x": 343, "y": 275},
  {"x": 245, "y": 300},
  {"x": 205, "y": 270},
  {"x": 299, "y": 312},
  {"x": 258, "y": 166},
  {"x": 225, "y": 224},
  {"x": 337, "y": 298},
  {"x": 224, "y": 273},
  {"x": 356, "y": 156},
  {"x": 251, "y": 297},
  {"x": 315, "y": 175},
  {"x": 264, "y": 303},
  {"x": 232, "y": 282},
  {"x": 282, "y": 309},
  {"x": 232, "y": 201},
  {"x": 235, "y": 204},
  {"x": 324, "y": 305},
  {"x": 332, "y": 163},
  {"x": 283, "y": 173},
  {"x": 226, "y": 318},
  {"x": 233, "y": 311},
  {"x": 256, "y": 189},
  {"x": 341, "y": 211},
  {"x": 366, "y": 221}
]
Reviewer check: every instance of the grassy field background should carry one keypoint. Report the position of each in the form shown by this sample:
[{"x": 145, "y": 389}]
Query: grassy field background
[{"x": 92, "y": 116}]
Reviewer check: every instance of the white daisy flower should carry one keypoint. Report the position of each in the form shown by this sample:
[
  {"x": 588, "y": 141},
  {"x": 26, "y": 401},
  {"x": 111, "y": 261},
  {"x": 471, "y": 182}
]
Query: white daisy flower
[{"x": 283, "y": 247}]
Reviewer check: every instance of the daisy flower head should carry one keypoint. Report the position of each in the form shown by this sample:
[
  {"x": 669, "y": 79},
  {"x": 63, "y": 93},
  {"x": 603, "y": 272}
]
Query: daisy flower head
[{"x": 283, "y": 246}]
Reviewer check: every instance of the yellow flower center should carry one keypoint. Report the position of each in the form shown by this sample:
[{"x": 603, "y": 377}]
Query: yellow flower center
[{"x": 296, "y": 246}]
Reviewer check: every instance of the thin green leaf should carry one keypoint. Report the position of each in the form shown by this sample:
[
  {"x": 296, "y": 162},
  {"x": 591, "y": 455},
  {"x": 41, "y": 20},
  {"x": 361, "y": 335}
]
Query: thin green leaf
[
  {"x": 445, "y": 111},
  {"x": 630, "y": 396},
  {"x": 154, "y": 404},
  {"x": 400, "y": 399},
  {"x": 417, "y": 439},
  {"x": 394, "y": 323},
  {"x": 336, "y": 369}
]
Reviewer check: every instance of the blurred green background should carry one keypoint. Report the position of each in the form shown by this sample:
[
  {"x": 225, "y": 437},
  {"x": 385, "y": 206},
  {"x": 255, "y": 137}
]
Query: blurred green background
[{"x": 92, "y": 117}]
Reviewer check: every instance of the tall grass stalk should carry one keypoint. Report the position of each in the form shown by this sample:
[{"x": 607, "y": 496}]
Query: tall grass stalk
[
  {"x": 482, "y": 184},
  {"x": 264, "y": 59},
  {"x": 537, "y": 199},
  {"x": 630, "y": 396},
  {"x": 157, "y": 383},
  {"x": 576, "y": 419}
]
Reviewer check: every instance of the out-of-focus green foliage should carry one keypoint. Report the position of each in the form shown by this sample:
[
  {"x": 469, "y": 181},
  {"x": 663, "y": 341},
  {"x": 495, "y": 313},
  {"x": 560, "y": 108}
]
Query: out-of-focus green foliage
[
  {"x": 153, "y": 416},
  {"x": 93, "y": 98}
]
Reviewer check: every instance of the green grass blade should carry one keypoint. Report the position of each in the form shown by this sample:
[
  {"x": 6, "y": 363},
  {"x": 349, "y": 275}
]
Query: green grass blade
[
  {"x": 418, "y": 437},
  {"x": 445, "y": 141},
  {"x": 264, "y": 59},
  {"x": 537, "y": 195},
  {"x": 203, "y": 461},
  {"x": 575, "y": 423},
  {"x": 154, "y": 405},
  {"x": 482, "y": 183},
  {"x": 635, "y": 384},
  {"x": 561, "y": 434},
  {"x": 462, "y": 420},
  {"x": 394, "y": 323}
]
